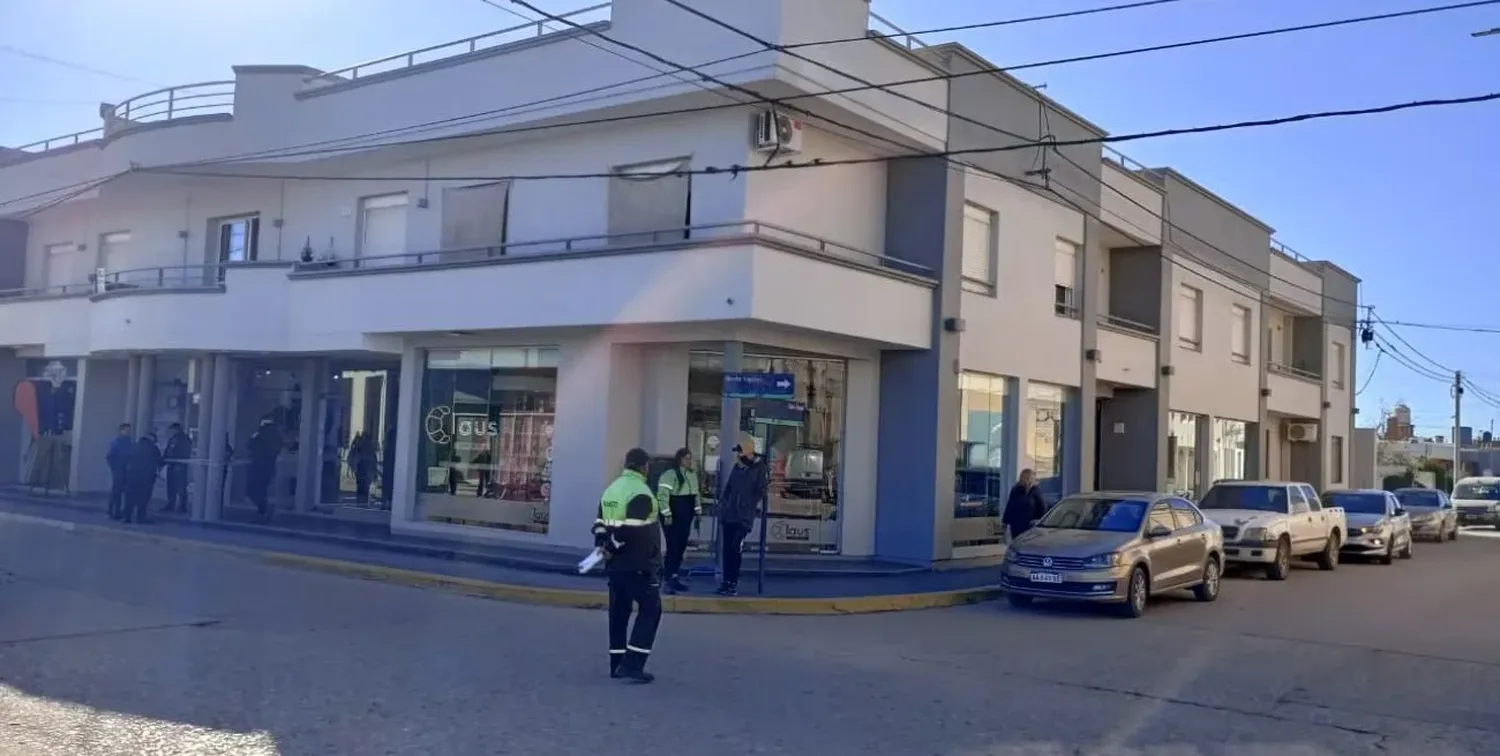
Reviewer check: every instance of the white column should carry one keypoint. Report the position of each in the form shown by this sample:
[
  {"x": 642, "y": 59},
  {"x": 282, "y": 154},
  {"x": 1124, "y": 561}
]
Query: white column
[
  {"x": 857, "y": 466},
  {"x": 132, "y": 390},
  {"x": 206, "y": 433},
  {"x": 409, "y": 428},
  {"x": 664, "y": 398},
  {"x": 145, "y": 410},
  {"x": 219, "y": 420},
  {"x": 309, "y": 435}
]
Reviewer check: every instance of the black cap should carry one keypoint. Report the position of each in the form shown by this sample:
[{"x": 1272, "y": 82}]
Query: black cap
[{"x": 637, "y": 458}]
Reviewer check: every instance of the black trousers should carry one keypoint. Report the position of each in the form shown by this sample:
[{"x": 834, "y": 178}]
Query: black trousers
[
  {"x": 116, "y": 493},
  {"x": 258, "y": 487},
  {"x": 137, "y": 496},
  {"x": 678, "y": 532},
  {"x": 177, "y": 485},
  {"x": 734, "y": 538},
  {"x": 637, "y": 593}
]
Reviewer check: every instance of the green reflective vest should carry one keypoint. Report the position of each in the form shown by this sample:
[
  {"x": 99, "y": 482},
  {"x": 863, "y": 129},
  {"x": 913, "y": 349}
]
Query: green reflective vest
[{"x": 612, "y": 505}]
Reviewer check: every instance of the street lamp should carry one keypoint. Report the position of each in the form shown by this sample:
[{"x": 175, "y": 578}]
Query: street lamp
[{"x": 1495, "y": 32}]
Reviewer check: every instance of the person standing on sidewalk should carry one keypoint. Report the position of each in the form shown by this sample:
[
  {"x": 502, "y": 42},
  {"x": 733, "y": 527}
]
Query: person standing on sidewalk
[
  {"x": 265, "y": 449},
  {"x": 738, "y": 505},
  {"x": 1024, "y": 506},
  {"x": 627, "y": 531},
  {"x": 677, "y": 500},
  {"x": 141, "y": 469},
  {"x": 116, "y": 457},
  {"x": 179, "y": 450}
]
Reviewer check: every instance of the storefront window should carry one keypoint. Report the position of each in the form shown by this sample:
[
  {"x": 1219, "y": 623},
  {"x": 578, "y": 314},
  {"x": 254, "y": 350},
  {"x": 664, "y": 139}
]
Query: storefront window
[
  {"x": 486, "y": 442},
  {"x": 1047, "y": 438},
  {"x": 1182, "y": 454},
  {"x": 984, "y": 462},
  {"x": 802, "y": 438},
  {"x": 1228, "y": 461}
]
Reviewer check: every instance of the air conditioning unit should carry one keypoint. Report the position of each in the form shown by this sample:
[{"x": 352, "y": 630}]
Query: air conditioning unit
[
  {"x": 1302, "y": 432},
  {"x": 775, "y": 132}
]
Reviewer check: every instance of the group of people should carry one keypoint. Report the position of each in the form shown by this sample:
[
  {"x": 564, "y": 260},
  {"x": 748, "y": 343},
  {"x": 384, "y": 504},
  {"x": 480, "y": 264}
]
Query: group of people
[
  {"x": 136, "y": 463},
  {"x": 630, "y": 528}
]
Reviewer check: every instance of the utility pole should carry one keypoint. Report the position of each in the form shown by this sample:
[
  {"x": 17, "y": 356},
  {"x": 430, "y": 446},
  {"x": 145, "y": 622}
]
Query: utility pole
[
  {"x": 1495, "y": 32},
  {"x": 1458, "y": 398}
]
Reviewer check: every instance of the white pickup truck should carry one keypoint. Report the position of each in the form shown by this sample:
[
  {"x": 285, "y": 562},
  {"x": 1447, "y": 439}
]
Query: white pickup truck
[{"x": 1268, "y": 523}]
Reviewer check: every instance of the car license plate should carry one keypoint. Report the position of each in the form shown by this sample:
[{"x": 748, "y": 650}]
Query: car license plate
[{"x": 1046, "y": 577}]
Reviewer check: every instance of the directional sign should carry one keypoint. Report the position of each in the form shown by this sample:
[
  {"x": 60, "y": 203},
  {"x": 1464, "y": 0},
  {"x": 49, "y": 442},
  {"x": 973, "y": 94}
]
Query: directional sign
[{"x": 759, "y": 385}]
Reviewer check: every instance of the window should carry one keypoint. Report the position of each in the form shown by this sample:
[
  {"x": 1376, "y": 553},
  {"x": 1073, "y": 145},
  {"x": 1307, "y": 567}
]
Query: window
[
  {"x": 486, "y": 441},
  {"x": 1228, "y": 453},
  {"x": 57, "y": 267},
  {"x": 1182, "y": 453},
  {"x": 1313, "y": 502},
  {"x": 1047, "y": 438},
  {"x": 649, "y": 203},
  {"x": 1338, "y": 365},
  {"x": 474, "y": 219},
  {"x": 1336, "y": 475},
  {"x": 1239, "y": 336},
  {"x": 984, "y": 464},
  {"x": 980, "y": 247},
  {"x": 1299, "y": 501},
  {"x": 1189, "y": 317},
  {"x": 1065, "y": 278},
  {"x": 114, "y": 258},
  {"x": 382, "y": 228},
  {"x": 1185, "y": 514},
  {"x": 1161, "y": 515},
  {"x": 238, "y": 239}
]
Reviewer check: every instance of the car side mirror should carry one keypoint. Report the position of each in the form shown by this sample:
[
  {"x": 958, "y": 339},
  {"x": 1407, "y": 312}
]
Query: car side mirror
[
  {"x": 1158, "y": 531},
  {"x": 1400, "y": 511}
]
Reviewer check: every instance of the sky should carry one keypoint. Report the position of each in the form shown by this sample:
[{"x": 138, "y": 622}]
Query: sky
[{"x": 1399, "y": 200}]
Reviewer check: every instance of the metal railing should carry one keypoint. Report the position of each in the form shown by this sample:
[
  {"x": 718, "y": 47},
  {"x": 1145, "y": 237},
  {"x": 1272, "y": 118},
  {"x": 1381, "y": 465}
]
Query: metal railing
[
  {"x": 1118, "y": 323},
  {"x": 747, "y": 231},
  {"x": 105, "y": 281},
  {"x": 466, "y": 46},
  {"x": 1127, "y": 163},
  {"x": 46, "y": 292},
  {"x": 1294, "y": 372},
  {"x": 882, "y": 28},
  {"x": 203, "y": 98},
  {"x": 1289, "y": 252},
  {"x": 66, "y": 140}
]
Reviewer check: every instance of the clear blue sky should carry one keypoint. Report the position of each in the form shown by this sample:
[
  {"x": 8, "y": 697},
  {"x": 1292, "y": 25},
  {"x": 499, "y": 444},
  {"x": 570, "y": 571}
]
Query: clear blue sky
[{"x": 1398, "y": 200}]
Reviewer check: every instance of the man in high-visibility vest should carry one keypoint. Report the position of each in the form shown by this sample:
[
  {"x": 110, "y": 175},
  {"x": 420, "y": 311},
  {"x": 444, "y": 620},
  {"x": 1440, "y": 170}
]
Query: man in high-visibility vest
[{"x": 627, "y": 529}]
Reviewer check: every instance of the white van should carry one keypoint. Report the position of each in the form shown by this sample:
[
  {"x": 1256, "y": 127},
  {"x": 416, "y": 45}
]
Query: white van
[{"x": 1478, "y": 501}]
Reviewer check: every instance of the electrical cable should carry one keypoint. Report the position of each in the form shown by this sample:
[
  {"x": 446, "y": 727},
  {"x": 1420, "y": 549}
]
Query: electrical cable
[
  {"x": 1374, "y": 366},
  {"x": 1408, "y": 344},
  {"x": 987, "y": 24},
  {"x": 75, "y": 66}
]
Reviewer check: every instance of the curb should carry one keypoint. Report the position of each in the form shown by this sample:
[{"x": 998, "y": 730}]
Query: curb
[{"x": 559, "y": 597}]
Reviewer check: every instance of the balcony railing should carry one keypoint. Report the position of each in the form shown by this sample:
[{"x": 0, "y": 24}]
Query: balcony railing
[
  {"x": 1126, "y": 325},
  {"x": 1294, "y": 372},
  {"x": 466, "y": 46},
  {"x": 1289, "y": 252},
  {"x": 746, "y": 232},
  {"x": 170, "y": 277},
  {"x": 204, "y": 98},
  {"x": 46, "y": 292},
  {"x": 882, "y": 28},
  {"x": 59, "y": 142},
  {"x": 1125, "y": 162}
]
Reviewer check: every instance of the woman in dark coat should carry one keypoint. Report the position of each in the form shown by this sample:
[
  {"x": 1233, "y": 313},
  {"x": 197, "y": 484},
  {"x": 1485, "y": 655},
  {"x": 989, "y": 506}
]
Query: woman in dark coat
[{"x": 1024, "y": 506}]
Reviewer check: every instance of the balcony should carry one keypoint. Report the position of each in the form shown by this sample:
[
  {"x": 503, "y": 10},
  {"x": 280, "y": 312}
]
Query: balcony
[
  {"x": 1127, "y": 352},
  {"x": 209, "y": 98},
  {"x": 1295, "y": 392}
]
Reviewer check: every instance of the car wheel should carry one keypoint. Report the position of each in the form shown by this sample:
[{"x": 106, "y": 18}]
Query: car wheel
[
  {"x": 1406, "y": 552},
  {"x": 1329, "y": 559},
  {"x": 1282, "y": 567},
  {"x": 1390, "y": 553},
  {"x": 1137, "y": 593},
  {"x": 1018, "y": 601},
  {"x": 1208, "y": 590},
  {"x": 1453, "y": 534}
]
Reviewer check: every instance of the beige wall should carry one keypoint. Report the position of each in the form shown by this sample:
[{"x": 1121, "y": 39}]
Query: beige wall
[{"x": 1210, "y": 382}]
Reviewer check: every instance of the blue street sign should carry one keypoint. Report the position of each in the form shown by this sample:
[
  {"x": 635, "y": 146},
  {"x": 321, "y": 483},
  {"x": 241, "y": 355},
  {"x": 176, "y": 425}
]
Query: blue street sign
[{"x": 759, "y": 385}]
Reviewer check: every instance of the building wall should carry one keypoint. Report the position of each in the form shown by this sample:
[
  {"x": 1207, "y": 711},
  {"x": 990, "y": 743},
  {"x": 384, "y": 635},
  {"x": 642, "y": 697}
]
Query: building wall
[
  {"x": 841, "y": 203},
  {"x": 1209, "y": 381}
]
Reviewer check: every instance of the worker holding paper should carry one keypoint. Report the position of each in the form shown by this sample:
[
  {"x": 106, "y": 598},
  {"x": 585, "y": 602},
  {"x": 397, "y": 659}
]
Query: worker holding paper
[{"x": 627, "y": 530}]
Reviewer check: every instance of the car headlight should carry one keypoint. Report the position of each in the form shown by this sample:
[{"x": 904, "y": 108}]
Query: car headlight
[
  {"x": 1099, "y": 561},
  {"x": 1256, "y": 535},
  {"x": 1011, "y": 555},
  {"x": 1358, "y": 531}
]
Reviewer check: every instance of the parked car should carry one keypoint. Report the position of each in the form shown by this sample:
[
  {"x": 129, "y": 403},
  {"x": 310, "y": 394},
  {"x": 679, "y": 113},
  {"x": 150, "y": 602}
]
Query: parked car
[
  {"x": 1432, "y": 513},
  {"x": 1115, "y": 548},
  {"x": 1478, "y": 501},
  {"x": 1378, "y": 525},
  {"x": 1269, "y": 523}
]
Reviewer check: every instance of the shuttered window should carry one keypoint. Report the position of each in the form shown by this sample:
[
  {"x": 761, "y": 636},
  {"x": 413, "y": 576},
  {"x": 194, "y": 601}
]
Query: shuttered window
[
  {"x": 980, "y": 245},
  {"x": 648, "y": 203},
  {"x": 1065, "y": 277},
  {"x": 474, "y": 219}
]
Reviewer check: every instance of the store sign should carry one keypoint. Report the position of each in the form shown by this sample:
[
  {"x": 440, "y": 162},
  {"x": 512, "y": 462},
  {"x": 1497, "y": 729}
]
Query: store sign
[{"x": 443, "y": 426}]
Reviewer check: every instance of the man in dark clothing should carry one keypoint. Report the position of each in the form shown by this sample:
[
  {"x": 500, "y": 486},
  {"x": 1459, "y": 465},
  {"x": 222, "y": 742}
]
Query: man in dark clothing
[
  {"x": 179, "y": 450},
  {"x": 141, "y": 469},
  {"x": 265, "y": 447},
  {"x": 118, "y": 454},
  {"x": 628, "y": 532},
  {"x": 1025, "y": 505},
  {"x": 743, "y": 495}
]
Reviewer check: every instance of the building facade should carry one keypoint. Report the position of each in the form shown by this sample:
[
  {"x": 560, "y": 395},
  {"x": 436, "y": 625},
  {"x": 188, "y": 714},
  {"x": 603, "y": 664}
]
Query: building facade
[{"x": 462, "y": 302}]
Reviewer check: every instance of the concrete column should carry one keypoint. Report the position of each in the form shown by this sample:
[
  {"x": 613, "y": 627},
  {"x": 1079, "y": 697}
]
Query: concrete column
[
  {"x": 309, "y": 435},
  {"x": 664, "y": 399},
  {"x": 132, "y": 391},
  {"x": 1326, "y": 429},
  {"x": 145, "y": 395},
  {"x": 219, "y": 419},
  {"x": 1166, "y": 349},
  {"x": 729, "y": 414},
  {"x": 206, "y": 433},
  {"x": 1086, "y": 417},
  {"x": 1261, "y": 455},
  {"x": 405, "y": 470},
  {"x": 1205, "y": 454},
  {"x": 96, "y": 419},
  {"x": 859, "y": 459},
  {"x": 14, "y": 436}
]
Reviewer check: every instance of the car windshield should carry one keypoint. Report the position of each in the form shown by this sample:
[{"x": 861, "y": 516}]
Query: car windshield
[
  {"x": 1356, "y": 503},
  {"x": 1090, "y": 513},
  {"x": 1484, "y": 491},
  {"x": 1258, "y": 498},
  {"x": 1416, "y": 498}
]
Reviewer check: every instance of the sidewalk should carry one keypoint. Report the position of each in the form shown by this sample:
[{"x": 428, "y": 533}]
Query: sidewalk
[{"x": 798, "y": 585}]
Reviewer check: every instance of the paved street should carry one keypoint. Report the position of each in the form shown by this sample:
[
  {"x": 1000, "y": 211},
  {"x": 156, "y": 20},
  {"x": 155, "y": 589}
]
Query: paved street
[{"x": 111, "y": 646}]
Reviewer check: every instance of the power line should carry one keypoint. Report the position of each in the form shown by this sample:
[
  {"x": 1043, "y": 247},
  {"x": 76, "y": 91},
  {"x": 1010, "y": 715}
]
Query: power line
[
  {"x": 1445, "y": 327},
  {"x": 1408, "y": 344},
  {"x": 75, "y": 66},
  {"x": 1371, "y": 375},
  {"x": 988, "y": 24}
]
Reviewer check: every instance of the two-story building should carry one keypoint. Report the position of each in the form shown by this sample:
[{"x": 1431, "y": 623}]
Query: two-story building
[{"x": 462, "y": 302}]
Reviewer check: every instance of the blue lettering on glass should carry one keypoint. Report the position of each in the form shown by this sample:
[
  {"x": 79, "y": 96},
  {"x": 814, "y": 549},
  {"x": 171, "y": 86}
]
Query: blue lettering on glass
[{"x": 759, "y": 385}]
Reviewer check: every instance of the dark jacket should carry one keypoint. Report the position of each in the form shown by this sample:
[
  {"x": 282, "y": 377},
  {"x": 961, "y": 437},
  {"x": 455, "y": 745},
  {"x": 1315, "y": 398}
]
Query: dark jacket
[
  {"x": 144, "y": 461},
  {"x": 265, "y": 446},
  {"x": 1024, "y": 506},
  {"x": 119, "y": 453},
  {"x": 179, "y": 448},
  {"x": 744, "y": 491}
]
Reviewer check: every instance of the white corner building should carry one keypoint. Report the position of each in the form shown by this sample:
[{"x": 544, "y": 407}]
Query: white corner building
[{"x": 401, "y": 252}]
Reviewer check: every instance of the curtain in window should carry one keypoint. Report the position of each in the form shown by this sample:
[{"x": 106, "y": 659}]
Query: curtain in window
[
  {"x": 640, "y": 206},
  {"x": 474, "y": 220}
]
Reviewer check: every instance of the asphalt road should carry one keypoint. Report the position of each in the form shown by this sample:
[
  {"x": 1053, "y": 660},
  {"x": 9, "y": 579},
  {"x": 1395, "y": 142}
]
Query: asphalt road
[{"x": 110, "y": 646}]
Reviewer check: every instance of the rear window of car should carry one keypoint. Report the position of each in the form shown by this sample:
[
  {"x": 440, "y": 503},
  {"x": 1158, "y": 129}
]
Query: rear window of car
[
  {"x": 1259, "y": 498},
  {"x": 1410, "y": 498}
]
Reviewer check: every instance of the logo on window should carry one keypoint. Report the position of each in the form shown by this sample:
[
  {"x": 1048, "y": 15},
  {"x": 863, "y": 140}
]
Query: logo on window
[{"x": 439, "y": 424}]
